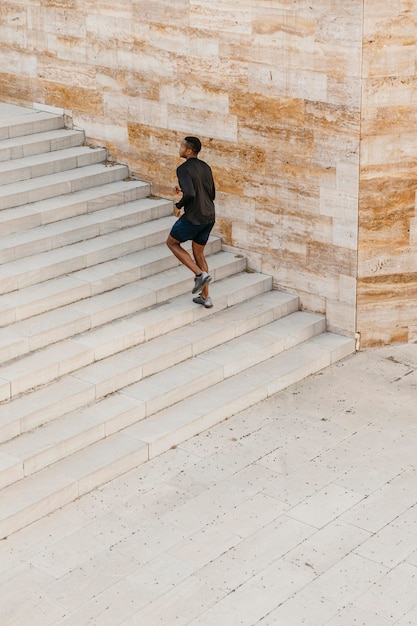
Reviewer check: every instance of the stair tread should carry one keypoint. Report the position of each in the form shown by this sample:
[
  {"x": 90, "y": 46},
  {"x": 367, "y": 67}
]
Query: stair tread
[
  {"x": 71, "y": 204},
  {"x": 28, "y": 123},
  {"x": 50, "y": 140},
  {"x": 52, "y": 185},
  {"x": 27, "y": 162},
  {"x": 59, "y": 177}
]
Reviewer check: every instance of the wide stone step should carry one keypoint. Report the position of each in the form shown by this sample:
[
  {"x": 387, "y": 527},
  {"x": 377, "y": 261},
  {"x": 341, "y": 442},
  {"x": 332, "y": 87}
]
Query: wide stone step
[
  {"x": 49, "y": 141},
  {"x": 41, "y": 188},
  {"x": 41, "y": 165},
  {"x": 65, "y": 260},
  {"x": 70, "y": 205},
  {"x": 78, "y": 473},
  {"x": 58, "y": 292},
  {"x": 161, "y": 337},
  {"x": 78, "y": 317},
  {"x": 80, "y": 228},
  {"x": 27, "y": 122},
  {"x": 44, "y": 365}
]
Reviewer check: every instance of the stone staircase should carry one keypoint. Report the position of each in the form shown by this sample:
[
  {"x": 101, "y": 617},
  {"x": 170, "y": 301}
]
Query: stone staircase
[{"x": 105, "y": 360}]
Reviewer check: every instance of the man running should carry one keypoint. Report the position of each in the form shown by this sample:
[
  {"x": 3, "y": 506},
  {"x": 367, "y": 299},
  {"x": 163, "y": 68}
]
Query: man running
[{"x": 195, "y": 182}]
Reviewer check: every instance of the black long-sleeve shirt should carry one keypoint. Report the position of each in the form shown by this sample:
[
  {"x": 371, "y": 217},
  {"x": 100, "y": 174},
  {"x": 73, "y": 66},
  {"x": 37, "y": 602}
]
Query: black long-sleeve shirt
[{"x": 195, "y": 179}]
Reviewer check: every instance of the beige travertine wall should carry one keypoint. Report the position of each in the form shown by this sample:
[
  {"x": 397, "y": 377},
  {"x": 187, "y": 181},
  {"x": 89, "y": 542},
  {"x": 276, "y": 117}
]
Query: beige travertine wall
[
  {"x": 387, "y": 271},
  {"x": 305, "y": 110}
]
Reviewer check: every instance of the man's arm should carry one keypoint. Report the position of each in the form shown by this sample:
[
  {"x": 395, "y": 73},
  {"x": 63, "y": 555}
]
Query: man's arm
[{"x": 187, "y": 188}]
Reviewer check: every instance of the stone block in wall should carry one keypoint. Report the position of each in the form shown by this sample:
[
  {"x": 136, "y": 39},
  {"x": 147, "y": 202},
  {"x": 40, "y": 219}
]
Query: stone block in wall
[
  {"x": 14, "y": 38},
  {"x": 174, "y": 12},
  {"x": 337, "y": 62},
  {"x": 392, "y": 91},
  {"x": 60, "y": 19},
  {"x": 341, "y": 25},
  {"x": 216, "y": 71},
  {"x": 389, "y": 120},
  {"x": 390, "y": 60},
  {"x": 396, "y": 148},
  {"x": 330, "y": 260},
  {"x": 66, "y": 73},
  {"x": 345, "y": 233},
  {"x": 76, "y": 98},
  {"x": 332, "y": 148},
  {"x": 171, "y": 38},
  {"x": 112, "y": 28},
  {"x": 333, "y": 120},
  {"x": 146, "y": 60},
  {"x": 344, "y": 91},
  {"x": 19, "y": 64},
  {"x": 284, "y": 82},
  {"x": 339, "y": 204},
  {"x": 391, "y": 19},
  {"x": 13, "y": 14},
  {"x": 15, "y": 92},
  {"x": 385, "y": 320},
  {"x": 204, "y": 97},
  {"x": 319, "y": 283},
  {"x": 374, "y": 264},
  {"x": 293, "y": 194},
  {"x": 199, "y": 122},
  {"x": 387, "y": 206},
  {"x": 347, "y": 290},
  {"x": 270, "y": 112},
  {"x": 99, "y": 129},
  {"x": 347, "y": 176},
  {"x": 413, "y": 231},
  {"x": 245, "y": 211},
  {"x": 147, "y": 112},
  {"x": 340, "y": 315},
  {"x": 221, "y": 16},
  {"x": 305, "y": 225}
]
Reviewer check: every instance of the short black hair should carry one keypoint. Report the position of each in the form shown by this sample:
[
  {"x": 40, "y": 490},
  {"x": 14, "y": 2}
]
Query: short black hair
[{"x": 194, "y": 143}]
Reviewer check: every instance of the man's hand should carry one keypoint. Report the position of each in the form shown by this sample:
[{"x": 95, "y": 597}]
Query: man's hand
[{"x": 177, "y": 212}]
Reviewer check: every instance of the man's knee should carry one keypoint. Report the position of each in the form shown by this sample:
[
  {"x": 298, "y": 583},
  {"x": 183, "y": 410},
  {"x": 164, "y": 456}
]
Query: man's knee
[{"x": 171, "y": 242}]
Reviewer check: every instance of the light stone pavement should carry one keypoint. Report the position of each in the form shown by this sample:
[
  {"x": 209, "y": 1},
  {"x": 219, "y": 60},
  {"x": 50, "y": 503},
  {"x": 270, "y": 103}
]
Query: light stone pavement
[{"x": 299, "y": 511}]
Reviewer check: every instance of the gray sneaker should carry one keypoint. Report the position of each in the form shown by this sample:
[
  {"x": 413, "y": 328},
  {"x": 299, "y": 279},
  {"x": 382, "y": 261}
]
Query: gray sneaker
[
  {"x": 206, "y": 302},
  {"x": 200, "y": 281}
]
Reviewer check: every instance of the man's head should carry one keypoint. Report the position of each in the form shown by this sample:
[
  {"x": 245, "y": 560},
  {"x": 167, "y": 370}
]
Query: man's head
[{"x": 190, "y": 146}]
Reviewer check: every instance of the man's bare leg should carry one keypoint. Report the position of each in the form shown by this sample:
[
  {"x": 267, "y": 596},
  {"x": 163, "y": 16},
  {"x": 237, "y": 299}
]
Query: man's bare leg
[
  {"x": 200, "y": 259},
  {"x": 182, "y": 255}
]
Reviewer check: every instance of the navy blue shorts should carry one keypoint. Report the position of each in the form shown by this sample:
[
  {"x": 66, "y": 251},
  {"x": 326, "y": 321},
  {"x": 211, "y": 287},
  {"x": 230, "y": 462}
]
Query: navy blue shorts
[{"x": 183, "y": 230}]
